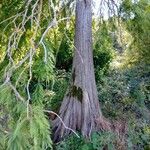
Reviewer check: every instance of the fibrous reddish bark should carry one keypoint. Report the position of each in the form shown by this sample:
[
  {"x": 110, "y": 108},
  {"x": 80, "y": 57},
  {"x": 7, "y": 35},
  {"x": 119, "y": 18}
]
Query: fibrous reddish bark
[{"x": 80, "y": 109}]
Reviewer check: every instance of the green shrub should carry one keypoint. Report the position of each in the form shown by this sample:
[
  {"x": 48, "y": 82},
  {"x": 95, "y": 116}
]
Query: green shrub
[
  {"x": 98, "y": 141},
  {"x": 124, "y": 93}
]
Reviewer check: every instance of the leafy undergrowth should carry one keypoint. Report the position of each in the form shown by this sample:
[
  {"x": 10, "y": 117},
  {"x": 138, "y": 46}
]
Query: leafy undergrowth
[
  {"x": 98, "y": 141},
  {"x": 125, "y": 95}
]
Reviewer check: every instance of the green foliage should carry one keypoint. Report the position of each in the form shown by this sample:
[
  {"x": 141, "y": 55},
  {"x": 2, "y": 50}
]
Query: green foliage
[
  {"x": 97, "y": 142},
  {"x": 38, "y": 95},
  {"x": 23, "y": 98},
  {"x": 137, "y": 18},
  {"x": 103, "y": 139},
  {"x": 124, "y": 93},
  {"x": 103, "y": 50},
  {"x": 65, "y": 50},
  {"x": 43, "y": 67},
  {"x": 71, "y": 142},
  {"x": 24, "y": 128},
  {"x": 138, "y": 134},
  {"x": 59, "y": 88},
  {"x": 30, "y": 133},
  {"x": 126, "y": 87},
  {"x": 5, "y": 99}
]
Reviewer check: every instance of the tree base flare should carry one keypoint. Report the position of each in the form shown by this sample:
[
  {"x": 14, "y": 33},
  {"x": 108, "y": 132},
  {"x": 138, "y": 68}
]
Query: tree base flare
[{"x": 81, "y": 116}]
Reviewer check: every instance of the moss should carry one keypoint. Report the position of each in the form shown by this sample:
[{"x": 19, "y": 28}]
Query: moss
[{"x": 76, "y": 92}]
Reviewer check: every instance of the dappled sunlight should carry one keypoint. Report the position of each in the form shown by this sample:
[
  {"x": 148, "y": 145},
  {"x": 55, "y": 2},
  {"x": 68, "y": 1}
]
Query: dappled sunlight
[{"x": 117, "y": 62}]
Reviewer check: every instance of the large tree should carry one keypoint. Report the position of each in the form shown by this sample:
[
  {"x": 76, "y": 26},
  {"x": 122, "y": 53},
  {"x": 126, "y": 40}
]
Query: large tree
[{"x": 80, "y": 109}]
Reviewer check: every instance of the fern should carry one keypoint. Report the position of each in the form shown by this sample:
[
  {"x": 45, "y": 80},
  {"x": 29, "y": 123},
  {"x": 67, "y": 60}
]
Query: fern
[
  {"x": 38, "y": 95},
  {"x": 30, "y": 133}
]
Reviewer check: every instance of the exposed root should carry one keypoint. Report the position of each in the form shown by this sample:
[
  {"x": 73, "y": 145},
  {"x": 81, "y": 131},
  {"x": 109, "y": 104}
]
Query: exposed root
[
  {"x": 70, "y": 113},
  {"x": 104, "y": 124}
]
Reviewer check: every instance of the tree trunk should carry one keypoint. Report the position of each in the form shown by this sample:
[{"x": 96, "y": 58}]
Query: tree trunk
[{"x": 80, "y": 108}]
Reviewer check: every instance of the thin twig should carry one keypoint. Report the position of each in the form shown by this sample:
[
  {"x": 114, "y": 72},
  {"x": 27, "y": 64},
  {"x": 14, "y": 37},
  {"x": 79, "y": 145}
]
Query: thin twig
[
  {"x": 51, "y": 112},
  {"x": 17, "y": 94}
]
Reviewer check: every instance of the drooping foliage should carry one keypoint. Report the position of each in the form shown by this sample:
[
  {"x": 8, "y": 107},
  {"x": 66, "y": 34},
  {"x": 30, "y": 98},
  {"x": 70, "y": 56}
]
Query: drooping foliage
[{"x": 26, "y": 74}]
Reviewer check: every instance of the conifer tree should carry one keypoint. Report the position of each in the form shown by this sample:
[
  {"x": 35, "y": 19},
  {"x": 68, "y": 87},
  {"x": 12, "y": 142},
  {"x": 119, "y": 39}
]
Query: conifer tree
[{"x": 80, "y": 109}]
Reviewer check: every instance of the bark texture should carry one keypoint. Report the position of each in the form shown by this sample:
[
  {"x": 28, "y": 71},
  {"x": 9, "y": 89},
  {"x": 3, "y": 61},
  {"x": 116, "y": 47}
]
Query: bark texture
[{"x": 80, "y": 108}]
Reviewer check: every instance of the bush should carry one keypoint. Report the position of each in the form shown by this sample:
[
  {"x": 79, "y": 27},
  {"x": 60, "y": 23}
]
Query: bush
[
  {"x": 98, "y": 141},
  {"x": 124, "y": 93}
]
